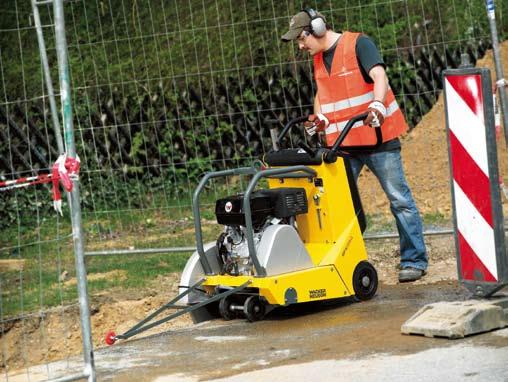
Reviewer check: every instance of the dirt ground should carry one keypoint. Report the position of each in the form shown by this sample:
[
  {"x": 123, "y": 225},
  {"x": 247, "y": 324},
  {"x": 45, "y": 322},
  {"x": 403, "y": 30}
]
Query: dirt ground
[{"x": 57, "y": 335}]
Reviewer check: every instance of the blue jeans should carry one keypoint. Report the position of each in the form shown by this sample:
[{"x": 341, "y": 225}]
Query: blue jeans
[{"x": 387, "y": 167}]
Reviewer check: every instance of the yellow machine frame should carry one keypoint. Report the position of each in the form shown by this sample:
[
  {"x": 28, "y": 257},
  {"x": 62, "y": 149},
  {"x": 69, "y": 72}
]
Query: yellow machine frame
[{"x": 331, "y": 234}]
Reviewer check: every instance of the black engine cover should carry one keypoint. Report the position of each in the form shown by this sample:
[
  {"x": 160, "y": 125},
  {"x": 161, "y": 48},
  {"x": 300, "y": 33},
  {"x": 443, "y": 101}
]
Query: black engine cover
[{"x": 279, "y": 203}]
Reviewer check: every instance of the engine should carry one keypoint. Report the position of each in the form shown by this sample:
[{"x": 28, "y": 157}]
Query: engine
[{"x": 268, "y": 207}]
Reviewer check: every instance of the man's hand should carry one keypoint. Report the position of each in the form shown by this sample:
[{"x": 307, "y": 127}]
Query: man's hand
[
  {"x": 377, "y": 114},
  {"x": 315, "y": 123}
]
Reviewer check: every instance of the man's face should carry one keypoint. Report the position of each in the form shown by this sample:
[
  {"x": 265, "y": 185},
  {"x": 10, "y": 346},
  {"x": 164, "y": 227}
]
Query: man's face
[{"x": 308, "y": 43}]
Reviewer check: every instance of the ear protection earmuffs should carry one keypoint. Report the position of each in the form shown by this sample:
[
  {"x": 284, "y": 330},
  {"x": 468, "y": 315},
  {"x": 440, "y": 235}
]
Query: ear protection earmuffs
[{"x": 317, "y": 24}]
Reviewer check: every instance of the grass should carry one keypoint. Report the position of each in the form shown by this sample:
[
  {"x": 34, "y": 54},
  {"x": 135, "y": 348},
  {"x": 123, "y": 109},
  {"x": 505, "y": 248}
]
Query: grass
[
  {"x": 48, "y": 279},
  {"x": 379, "y": 223},
  {"x": 436, "y": 219}
]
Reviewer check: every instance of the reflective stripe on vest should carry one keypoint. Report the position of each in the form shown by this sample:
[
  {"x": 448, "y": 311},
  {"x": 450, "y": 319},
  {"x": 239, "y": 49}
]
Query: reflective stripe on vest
[
  {"x": 338, "y": 127},
  {"x": 347, "y": 103}
]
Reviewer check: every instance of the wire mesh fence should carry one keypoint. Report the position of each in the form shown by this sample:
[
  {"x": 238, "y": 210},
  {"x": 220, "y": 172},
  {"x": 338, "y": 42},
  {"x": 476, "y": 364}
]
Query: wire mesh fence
[{"x": 165, "y": 91}]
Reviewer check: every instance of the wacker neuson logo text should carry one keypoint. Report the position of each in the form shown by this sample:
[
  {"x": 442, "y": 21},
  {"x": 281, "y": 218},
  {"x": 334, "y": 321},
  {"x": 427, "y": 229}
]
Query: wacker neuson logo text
[{"x": 317, "y": 293}]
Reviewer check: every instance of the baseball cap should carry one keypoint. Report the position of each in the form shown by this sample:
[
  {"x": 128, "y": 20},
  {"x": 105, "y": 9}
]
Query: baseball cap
[{"x": 297, "y": 24}]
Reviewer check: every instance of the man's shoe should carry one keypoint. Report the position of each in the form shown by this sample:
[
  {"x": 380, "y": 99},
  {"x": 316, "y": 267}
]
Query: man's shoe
[{"x": 411, "y": 274}]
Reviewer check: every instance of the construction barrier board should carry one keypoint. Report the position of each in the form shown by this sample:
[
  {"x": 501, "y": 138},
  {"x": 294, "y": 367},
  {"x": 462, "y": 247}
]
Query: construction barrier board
[{"x": 480, "y": 241}]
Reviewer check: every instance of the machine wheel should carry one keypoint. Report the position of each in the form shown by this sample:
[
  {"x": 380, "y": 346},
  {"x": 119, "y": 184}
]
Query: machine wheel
[
  {"x": 225, "y": 309},
  {"x": 254, "y": 308},
  {"x": 365, "y": 281}
]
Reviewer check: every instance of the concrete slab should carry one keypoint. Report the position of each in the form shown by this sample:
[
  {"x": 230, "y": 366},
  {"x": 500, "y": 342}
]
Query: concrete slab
[{"x": 458, "y": 319}]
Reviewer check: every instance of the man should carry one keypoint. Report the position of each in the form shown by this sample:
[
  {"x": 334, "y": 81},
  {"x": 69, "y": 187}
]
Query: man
[{"x": 351, "y": 80}]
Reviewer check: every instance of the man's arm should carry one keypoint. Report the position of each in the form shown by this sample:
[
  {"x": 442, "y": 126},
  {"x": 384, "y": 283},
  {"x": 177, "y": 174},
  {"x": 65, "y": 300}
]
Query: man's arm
[
  {"x": 377, "y": 109},
  {"x": 378, "y": 75}
]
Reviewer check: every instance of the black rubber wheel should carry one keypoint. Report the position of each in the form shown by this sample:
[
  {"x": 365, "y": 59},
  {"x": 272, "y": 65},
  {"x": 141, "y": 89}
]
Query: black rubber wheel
[
  {"x": 365, "y": 281},
  {"x": 224, "y": 309},
  {"x": 254, "y": 309}
]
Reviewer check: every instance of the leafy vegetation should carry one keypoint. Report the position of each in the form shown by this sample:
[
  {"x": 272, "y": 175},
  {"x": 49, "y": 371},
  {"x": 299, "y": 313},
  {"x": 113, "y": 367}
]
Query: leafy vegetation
[{"x": 139, "y": 46}]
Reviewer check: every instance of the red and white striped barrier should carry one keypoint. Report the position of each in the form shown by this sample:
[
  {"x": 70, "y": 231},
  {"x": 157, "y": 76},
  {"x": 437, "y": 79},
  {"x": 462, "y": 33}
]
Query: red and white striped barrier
[
  {"x": 475, "y": 179},
  {"x": 64, "y": 170}
]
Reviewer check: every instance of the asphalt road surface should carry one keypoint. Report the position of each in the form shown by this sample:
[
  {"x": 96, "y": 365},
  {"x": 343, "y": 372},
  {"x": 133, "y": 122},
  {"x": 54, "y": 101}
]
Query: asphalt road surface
[
  {"x": 337, "y": 341},
  {"x": 342, "y": 340}
]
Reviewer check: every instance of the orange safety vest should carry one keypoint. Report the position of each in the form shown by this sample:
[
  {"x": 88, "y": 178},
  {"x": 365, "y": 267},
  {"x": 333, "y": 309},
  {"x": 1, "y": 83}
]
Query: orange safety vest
[{"x": 344, "y": 93}]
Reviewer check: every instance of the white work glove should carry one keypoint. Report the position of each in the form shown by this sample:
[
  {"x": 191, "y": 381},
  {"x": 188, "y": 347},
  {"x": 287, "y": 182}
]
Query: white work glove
[
  {"x": 377, "y": 114},
  {"x": 315, "y": 123}
]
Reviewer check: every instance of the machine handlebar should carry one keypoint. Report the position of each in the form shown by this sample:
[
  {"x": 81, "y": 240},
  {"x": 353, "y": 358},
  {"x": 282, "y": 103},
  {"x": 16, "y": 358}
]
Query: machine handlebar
[
  {"x": 342, "y": 136},
  {"x": 289, "y": 125},
  {"x": 336, "y": 148}
]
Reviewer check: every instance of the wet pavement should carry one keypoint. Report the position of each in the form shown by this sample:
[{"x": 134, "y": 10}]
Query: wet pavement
[{"x": 314, "y": 342}]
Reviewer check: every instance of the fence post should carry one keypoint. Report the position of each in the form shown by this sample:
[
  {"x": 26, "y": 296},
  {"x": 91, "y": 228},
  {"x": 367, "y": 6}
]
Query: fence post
[
  {"x": 500, "y": 80},
  {"x": 47, "y": 78},
  {"x": 77, "y": 229}
]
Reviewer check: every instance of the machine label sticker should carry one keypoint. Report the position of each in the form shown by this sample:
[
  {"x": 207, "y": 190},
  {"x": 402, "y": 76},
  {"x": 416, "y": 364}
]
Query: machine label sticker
[
  {"x": 228, "y": 207},
  {"x": 317, "y": 293}
]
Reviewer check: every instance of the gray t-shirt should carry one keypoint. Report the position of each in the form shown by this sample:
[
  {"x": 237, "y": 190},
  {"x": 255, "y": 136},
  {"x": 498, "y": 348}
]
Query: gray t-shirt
[{"x": 368, "y": 56}]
